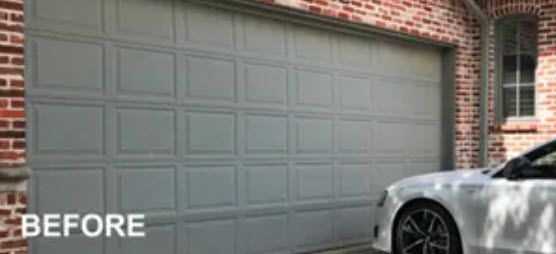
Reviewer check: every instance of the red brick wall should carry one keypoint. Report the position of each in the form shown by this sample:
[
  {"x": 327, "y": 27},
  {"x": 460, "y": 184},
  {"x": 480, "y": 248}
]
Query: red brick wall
[
  {"x": 440, "y": 20},
  {"x": 509, "y": 139},
  {"x": 12, "y": 206},
  {"x": 12, "y": 115},
  {"x": 12, "y": 121}
]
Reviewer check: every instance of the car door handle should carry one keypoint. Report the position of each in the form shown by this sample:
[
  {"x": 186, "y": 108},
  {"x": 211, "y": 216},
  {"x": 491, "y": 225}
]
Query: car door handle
[{"x": 470, "y": 189}]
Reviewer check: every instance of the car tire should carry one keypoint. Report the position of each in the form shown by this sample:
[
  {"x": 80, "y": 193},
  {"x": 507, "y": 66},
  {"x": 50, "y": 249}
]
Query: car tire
[{"x": 426, "y": 227}]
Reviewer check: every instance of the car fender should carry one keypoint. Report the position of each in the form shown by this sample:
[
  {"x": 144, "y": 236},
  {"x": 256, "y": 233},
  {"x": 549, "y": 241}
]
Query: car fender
[{"x": 442, "y": 198}]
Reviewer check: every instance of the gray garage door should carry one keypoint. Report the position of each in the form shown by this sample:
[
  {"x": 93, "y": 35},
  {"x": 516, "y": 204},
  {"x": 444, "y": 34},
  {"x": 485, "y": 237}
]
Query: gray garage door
[{"x": 233, "y": 133}]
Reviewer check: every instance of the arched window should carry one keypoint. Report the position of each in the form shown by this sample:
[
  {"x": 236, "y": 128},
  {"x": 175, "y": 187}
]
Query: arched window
[{"x": 516, "y": 63}]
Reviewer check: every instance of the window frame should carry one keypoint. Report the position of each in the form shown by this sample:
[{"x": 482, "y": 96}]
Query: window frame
[{"x": 498, "y": 71}]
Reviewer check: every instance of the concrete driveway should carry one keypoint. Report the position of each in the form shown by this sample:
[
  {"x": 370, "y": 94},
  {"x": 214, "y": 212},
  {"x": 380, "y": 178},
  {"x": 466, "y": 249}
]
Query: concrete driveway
[{"x": 352, "y": 250}]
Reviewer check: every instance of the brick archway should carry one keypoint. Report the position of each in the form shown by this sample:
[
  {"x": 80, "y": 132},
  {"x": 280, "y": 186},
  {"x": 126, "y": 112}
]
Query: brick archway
[{"x": 500, "y": 8}]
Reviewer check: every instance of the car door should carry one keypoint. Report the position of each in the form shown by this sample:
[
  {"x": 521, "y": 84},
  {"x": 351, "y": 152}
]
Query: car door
[{"x": 518, "y": 215}]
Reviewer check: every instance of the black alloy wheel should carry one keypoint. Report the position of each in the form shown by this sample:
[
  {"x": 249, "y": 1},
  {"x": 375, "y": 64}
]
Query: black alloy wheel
[{"x": 426, "y": 228}]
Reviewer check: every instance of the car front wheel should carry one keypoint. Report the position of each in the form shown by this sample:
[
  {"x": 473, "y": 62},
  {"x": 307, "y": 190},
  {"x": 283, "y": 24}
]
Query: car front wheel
[{"x": 426, "y": 228}]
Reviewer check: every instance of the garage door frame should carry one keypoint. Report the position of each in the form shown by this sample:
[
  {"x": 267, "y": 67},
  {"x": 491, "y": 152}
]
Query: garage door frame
[{"x": 333, "y": 24}]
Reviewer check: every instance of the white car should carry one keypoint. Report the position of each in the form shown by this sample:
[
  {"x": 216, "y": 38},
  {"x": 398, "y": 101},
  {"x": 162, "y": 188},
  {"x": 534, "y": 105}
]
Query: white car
[{"x": 510, "y": 209}]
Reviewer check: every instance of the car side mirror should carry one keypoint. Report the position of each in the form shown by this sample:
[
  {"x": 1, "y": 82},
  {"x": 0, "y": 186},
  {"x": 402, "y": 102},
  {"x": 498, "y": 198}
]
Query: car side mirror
[{"x": 512, "y": 169}]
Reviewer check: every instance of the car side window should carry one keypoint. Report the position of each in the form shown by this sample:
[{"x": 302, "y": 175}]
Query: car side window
[
  {"x": 547, "y": 160},
  {"x": 543, "y": 167},
  {"x": 541, "y": 163}
]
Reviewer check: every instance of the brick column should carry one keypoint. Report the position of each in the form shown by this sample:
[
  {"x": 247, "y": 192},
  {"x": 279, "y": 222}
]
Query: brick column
[
  {"x": 12, "y": 114},
  {"x": 12, "y": 128},
  {"x": 13, "y": 203}
]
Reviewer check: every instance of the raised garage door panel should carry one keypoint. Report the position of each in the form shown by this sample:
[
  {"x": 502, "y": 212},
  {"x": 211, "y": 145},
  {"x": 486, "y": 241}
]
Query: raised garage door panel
[{"x": 233, "y": 133}]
